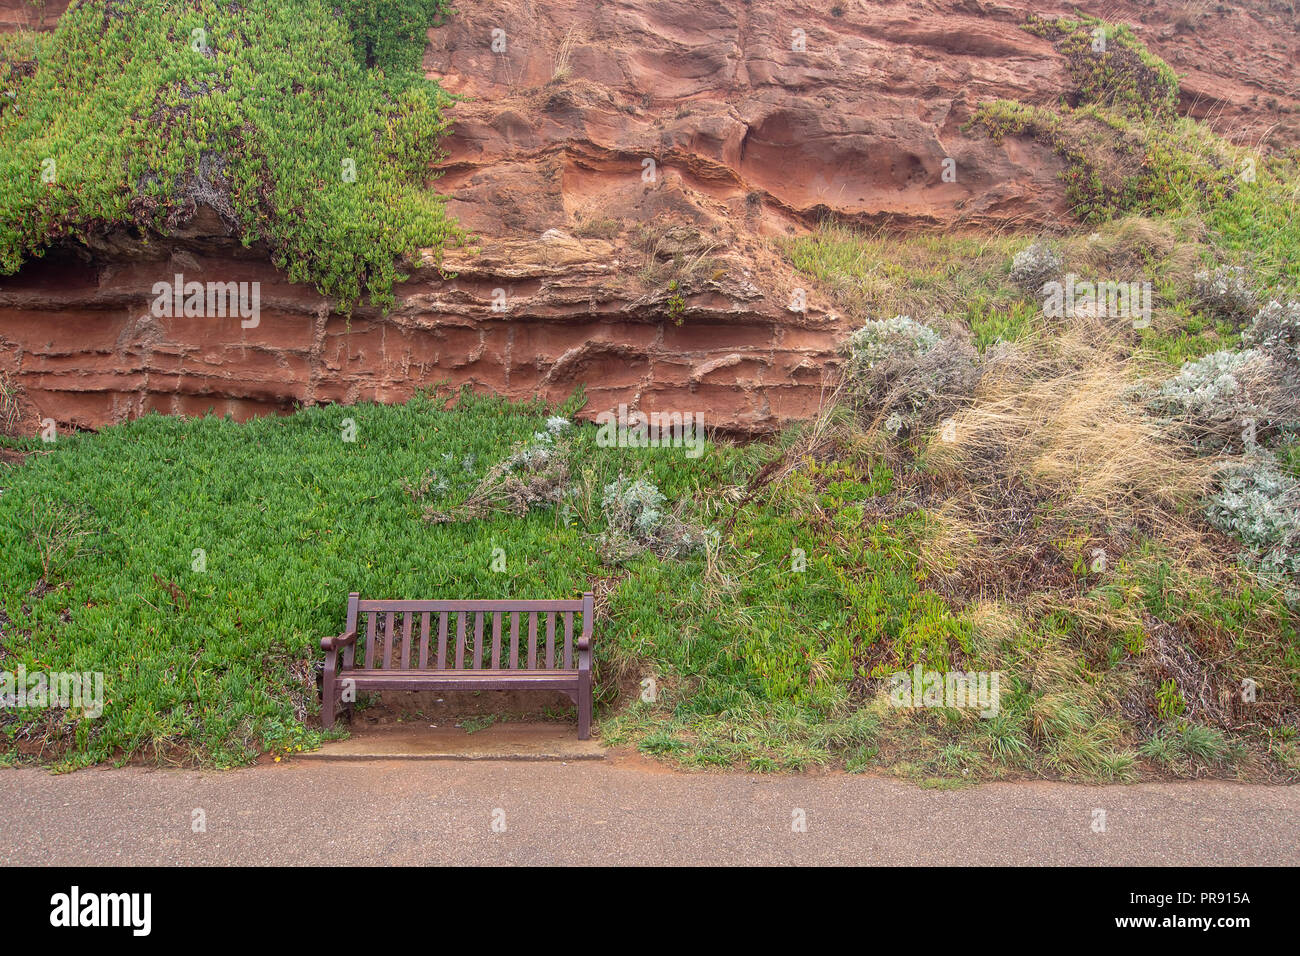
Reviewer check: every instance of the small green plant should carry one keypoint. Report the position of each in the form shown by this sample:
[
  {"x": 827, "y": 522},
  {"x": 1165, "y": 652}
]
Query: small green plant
[
  {"x": 1169, "y": 700},
  {"x": 472, "y": 725},
  {"x": 1202, "y": 743},
  {"x": 1182, "y": 746},
  {"x": 676, "y": 303},
  {"x": 62, "y": 533},
  {"x": 661, "y": 744},
  {"x": 1135, "y": 640},
  {"x": 1006, "y": 738}
]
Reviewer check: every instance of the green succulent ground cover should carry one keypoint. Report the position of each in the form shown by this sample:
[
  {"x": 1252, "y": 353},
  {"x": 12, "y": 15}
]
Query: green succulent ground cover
[
  {"x": 305, "y": 124},
  {"x": 290, "y": 517}
]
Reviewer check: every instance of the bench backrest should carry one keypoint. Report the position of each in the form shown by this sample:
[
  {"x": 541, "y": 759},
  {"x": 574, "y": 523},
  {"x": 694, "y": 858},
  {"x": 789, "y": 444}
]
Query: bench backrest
[{"x": 466, "y": 635}]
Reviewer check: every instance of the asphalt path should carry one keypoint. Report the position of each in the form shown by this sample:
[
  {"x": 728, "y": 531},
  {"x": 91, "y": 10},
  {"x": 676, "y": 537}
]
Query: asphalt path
[{"x": 627, "y": 811}]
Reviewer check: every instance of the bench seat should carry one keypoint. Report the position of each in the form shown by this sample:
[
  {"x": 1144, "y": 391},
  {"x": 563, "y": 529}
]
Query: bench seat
[{"x": 461, "y": 680}]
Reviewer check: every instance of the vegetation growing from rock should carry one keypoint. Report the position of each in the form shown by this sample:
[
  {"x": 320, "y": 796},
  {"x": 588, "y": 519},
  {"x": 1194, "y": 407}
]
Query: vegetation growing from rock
[
  {"x": 1117, "y": 164},
  {"x": 1125, "y": 147},
  {"x": 1111, "y": 67},
  {"x": 390, "y": 34},
  {"x": 304, "y": 126}
]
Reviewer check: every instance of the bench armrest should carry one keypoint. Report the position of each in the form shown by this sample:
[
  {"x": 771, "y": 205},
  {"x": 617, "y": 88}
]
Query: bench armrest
[
  {"x": 338, "y": 641},
  {"x": 588, "y": 630}
]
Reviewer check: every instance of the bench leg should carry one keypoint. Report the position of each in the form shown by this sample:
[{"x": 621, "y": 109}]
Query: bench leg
[
  {"x": 328, "y": 692},
  {"x": 584, "y": 706}
]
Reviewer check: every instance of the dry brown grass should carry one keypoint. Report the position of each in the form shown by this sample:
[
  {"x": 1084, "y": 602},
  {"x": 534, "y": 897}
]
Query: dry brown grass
[
  {"x": 10, "y": 409},
  {"x": 1056, "y": 445},
  {"x": 1188, "y": 15},
  {"x": 563, "y": 63},
  {"x": 1128, "y": 249},
  {"x": 1053, "y": 458},
  {"x": 675, "y": 253}
]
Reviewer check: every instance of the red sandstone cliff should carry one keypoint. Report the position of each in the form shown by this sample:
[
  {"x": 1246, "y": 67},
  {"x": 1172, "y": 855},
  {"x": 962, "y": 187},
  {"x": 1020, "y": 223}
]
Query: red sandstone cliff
[{"x": 750, "y": 138}]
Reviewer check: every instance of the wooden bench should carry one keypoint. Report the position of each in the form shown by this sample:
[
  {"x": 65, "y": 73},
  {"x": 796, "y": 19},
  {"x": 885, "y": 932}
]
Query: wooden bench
[{"x": 416, "y": 645}]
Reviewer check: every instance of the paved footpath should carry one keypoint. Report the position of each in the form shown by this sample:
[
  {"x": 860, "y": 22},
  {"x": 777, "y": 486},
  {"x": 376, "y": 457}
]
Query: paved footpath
[{"x": 624, "y": 811}]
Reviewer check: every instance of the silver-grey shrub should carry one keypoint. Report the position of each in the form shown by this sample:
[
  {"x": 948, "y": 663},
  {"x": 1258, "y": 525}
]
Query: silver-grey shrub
[
  {"x": 1259, "y": 504},
  {"x": 906, "y": 375},
  {"x": 1227, "y": 400},
  {"x": 887, "y": 340},
  {"x": 637, "y": 519},
  {"x": 1034, "y": 266},
  {"x": 1226, "y": 291},
  {"x": 1275, "y": 330}
]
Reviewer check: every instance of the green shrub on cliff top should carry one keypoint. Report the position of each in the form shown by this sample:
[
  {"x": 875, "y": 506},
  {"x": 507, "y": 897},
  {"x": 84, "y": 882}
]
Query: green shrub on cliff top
[
  {"x": 134, "y": 112},
  {"x": 1117, "y": 128},
  {"x": 1111, "y": 67},
  {"x": 389, "y": 34}
]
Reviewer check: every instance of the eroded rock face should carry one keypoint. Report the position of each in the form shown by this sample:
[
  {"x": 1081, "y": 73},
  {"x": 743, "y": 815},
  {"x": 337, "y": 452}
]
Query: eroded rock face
[
  {"x": 772, "y": 114},
  {"x": 628, "y": 168},
  {"x": 84, "y": 343}
]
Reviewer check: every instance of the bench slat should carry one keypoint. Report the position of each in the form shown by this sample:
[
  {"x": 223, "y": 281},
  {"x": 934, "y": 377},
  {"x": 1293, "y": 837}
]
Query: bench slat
[
  {"x": 514, "y": 640},
  {"x": 442, "y": 640},
  {"x": 550, "y": 640},
  {"x": 496, "y": 641},
  {"x": 532, "y": 641},
  {"x": 478, "y": 640},
  {"x": 464, "y": 680},
  {"x": 568, "y": 640},
  {"x": 388, "y": 640},
  {"x": 460, "y": 641},
  {"x": 406, "y": 641},
  {"x": 424, "y": 640},
  {"x": 370, "y": 640},
  {"x": 483, "y": 676}
]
